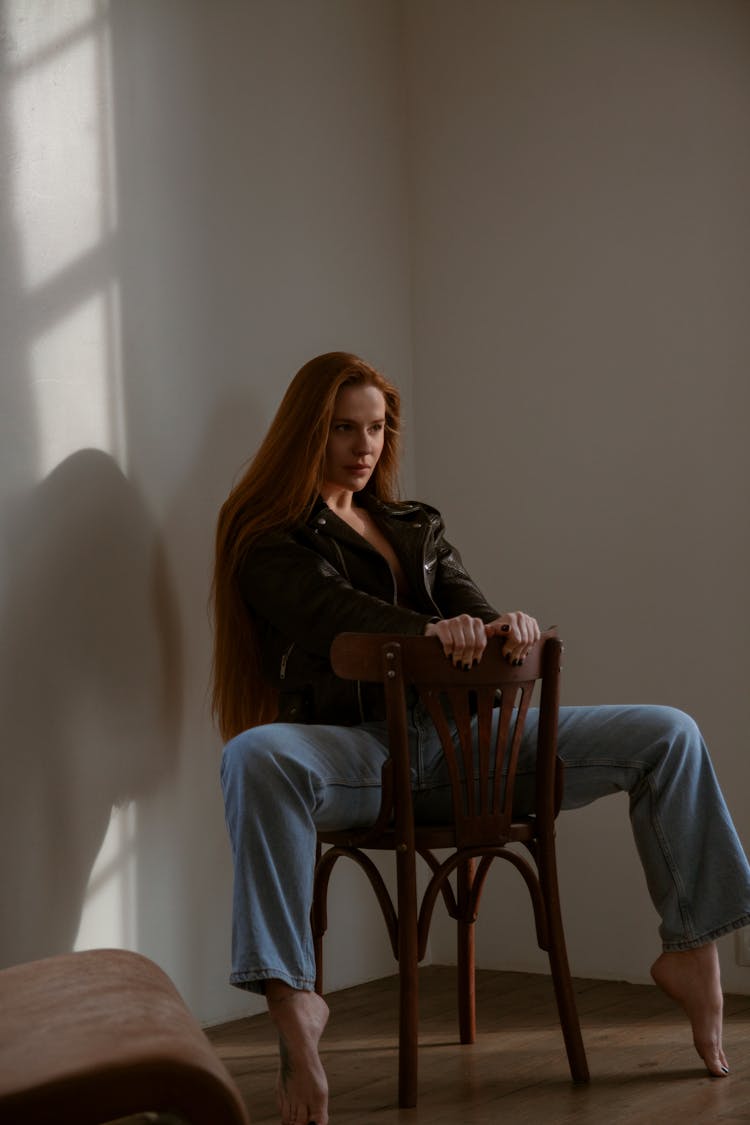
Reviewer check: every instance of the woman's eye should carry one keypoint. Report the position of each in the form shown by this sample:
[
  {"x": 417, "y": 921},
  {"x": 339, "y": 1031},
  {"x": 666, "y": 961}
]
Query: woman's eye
[{"x": 347, "y": 427}]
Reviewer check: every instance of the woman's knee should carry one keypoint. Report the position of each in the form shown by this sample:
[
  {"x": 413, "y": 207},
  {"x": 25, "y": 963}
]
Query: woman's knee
[
  {"x": 251, "y": 756},
  {"x": 677, "y": 726},
  {"x": 678, "y": 740}
]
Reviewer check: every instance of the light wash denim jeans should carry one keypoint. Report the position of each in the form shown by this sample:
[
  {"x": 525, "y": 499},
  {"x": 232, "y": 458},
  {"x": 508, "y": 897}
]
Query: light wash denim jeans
[{"x": 283, "y": 781}]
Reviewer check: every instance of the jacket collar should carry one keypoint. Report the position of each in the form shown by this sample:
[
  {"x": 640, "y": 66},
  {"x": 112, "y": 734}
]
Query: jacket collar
[
  {"x": 386, "y": 508},
  {"x": 371, "y": 504}
]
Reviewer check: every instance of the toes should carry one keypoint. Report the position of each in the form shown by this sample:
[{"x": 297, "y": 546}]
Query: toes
[{"x": 715, "y": 1060}]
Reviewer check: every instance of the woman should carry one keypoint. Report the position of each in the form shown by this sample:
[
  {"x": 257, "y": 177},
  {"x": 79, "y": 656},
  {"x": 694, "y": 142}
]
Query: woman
[{"x": 311, "y": 542}]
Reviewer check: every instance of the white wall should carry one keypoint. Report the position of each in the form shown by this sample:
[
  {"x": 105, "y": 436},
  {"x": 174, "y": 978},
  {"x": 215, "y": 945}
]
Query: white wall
[
  {"x": 197, "y": 198},
  {"x": 580, "y": 187}
]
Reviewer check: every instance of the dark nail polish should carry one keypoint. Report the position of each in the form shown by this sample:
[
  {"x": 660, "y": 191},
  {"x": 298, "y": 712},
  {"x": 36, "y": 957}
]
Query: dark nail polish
[
  {"x": 467, "y": 667},
  {"x": 505, "y": 628}
]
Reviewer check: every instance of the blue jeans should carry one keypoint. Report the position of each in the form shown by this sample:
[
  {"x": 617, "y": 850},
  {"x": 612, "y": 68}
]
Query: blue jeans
[{"x": 283, "y": 781}]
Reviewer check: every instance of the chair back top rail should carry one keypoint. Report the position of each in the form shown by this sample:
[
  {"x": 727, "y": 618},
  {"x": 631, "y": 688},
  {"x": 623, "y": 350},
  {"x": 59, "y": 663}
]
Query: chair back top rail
[{"x": 358, "y": 656}]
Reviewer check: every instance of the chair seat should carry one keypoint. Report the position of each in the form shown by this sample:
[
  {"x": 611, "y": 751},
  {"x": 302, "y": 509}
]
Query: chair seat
[
  {"x": 425, "y": 835},
  {"x": 92, "y": 1036}
]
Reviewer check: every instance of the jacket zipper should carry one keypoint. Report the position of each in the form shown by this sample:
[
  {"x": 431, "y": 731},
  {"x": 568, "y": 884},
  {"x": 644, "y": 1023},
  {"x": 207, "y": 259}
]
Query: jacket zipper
[{"x": 340, "y": 554}]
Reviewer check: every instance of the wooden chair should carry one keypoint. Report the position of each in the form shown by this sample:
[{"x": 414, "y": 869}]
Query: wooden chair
[
  {"x": 483, "y": 824},
  {"x": 92, "y": 1036}
]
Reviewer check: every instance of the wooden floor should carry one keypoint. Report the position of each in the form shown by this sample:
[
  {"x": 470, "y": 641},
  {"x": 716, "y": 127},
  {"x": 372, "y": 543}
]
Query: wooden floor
[{"x": 643, "y": 1065}]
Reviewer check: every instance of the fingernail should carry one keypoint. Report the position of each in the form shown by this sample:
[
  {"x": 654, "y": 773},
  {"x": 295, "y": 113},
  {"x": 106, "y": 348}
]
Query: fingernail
[
  {"x": 505, "y": 628},
  {"x": 516, "y": 663},
  {"x": 467, "y": 667},
  {"x": 725, "y": 1070}
]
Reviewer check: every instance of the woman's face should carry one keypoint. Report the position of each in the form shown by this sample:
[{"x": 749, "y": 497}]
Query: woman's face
[{"x": 355, "y": 441}]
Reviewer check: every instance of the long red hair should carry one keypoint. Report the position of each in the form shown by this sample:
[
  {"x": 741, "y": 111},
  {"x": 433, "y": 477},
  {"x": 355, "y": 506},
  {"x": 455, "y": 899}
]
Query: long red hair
[{"x": 279, "y": 489}]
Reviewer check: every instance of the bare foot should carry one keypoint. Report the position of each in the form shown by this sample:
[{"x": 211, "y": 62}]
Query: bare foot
[
  {"x": 692, "y": 978},
  {"x": 300, "y": 1019}
]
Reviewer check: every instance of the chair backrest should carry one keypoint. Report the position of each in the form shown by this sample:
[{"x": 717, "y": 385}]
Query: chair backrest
[{"x": 479, "y": 714}]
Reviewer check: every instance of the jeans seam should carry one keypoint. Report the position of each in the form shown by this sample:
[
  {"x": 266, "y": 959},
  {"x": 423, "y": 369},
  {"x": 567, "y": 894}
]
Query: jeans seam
[
  {"x": 685, "y": 914},
  {"x": 606, "y": 763},
  {"x": 688, "y": 924}
]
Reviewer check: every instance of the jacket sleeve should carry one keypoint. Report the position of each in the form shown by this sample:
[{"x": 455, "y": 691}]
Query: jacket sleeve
[
  {"x": 305, "y": 598},
  {"x": 454, "y": 591}
]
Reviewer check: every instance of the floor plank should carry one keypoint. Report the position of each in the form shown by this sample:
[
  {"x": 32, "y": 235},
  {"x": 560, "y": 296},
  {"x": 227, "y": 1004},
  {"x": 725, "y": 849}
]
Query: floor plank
[{"x": 643, "y": 1066}]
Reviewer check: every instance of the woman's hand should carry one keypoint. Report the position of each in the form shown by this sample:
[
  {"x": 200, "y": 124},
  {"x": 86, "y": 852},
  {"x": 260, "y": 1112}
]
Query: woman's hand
[
  {"x": 463, "y": 638},
  {"x": 521, "y": 632}
]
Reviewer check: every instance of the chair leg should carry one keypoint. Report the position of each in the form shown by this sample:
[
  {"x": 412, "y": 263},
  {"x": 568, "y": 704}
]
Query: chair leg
[
  {"x": 467, "y": 1023},
  {"x": 564, "y": 994},
  {"x": 318, "y": 921},
  {"x": 318, "y": 947},
  {"x": 408, "y": 1036}
]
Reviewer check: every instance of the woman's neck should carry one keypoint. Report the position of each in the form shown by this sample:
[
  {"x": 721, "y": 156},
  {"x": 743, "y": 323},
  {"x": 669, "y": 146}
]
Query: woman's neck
[{"x": 339, "y": 500}]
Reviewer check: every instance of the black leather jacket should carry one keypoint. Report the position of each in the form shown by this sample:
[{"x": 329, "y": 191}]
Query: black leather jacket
[{"x": 320, "y": 578}]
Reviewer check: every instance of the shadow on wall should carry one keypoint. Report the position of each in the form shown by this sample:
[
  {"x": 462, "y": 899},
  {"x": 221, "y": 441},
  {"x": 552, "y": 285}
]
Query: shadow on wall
[
  {"x": 90, "y": 681},
  {"x": 184, "y": 872}
]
